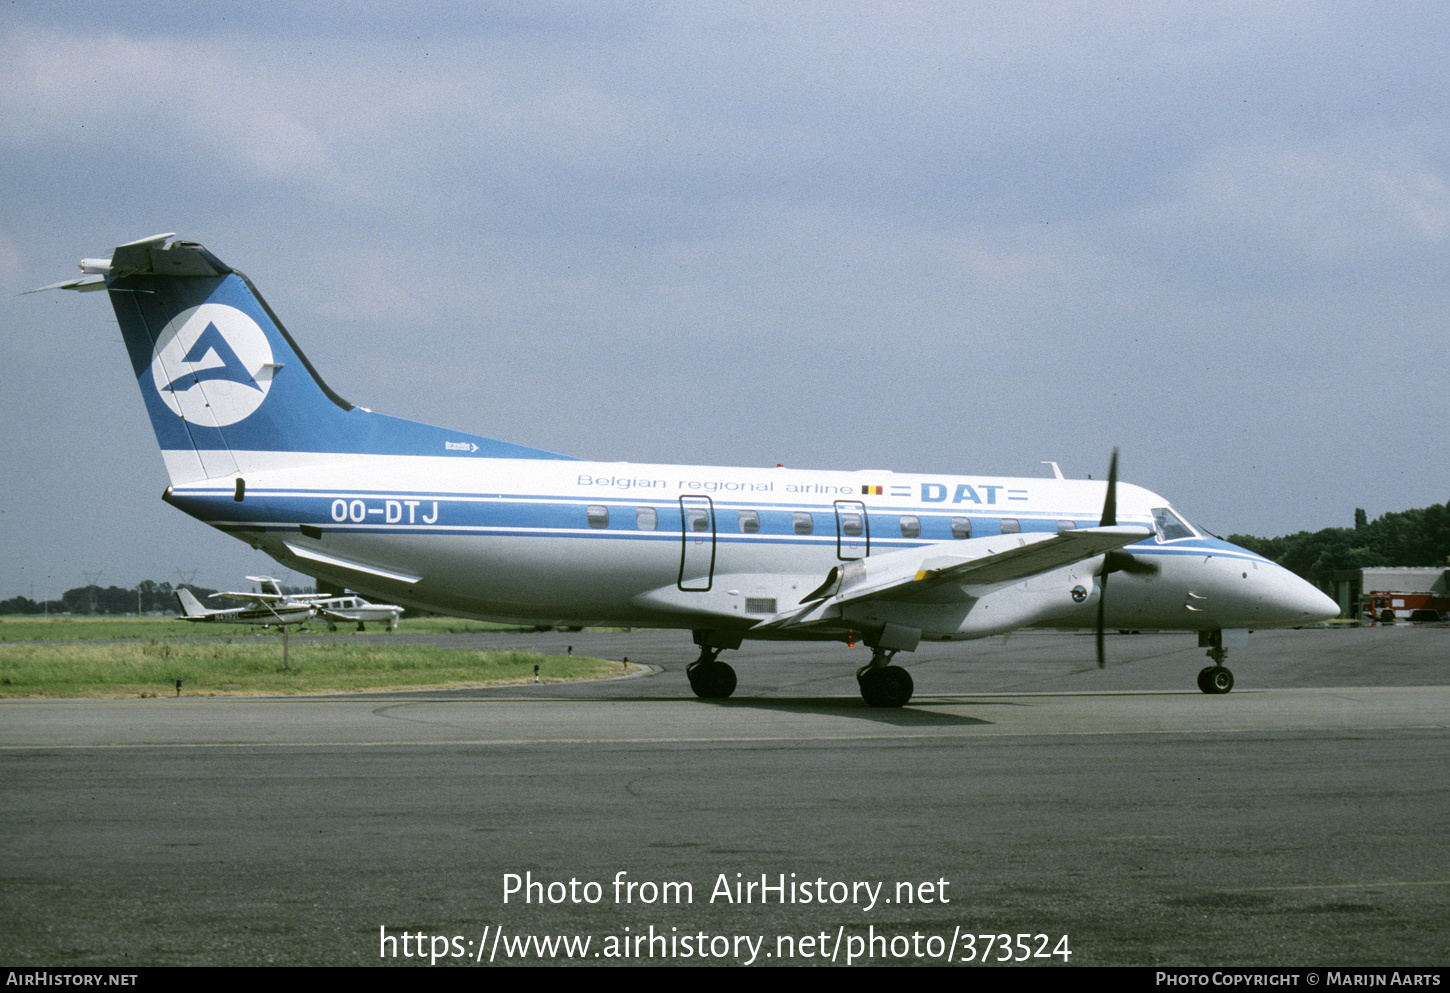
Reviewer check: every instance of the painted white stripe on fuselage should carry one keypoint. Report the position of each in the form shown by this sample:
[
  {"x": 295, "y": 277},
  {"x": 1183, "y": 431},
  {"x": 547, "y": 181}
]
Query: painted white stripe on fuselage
[{"x": 529, "y": 571}]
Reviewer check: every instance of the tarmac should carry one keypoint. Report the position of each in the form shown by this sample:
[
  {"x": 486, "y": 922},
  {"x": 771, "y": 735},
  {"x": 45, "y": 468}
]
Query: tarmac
[{"x": 1112, "y": 816}]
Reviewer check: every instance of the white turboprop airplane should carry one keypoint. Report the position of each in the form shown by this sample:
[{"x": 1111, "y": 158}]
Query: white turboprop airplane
[{"x": 258, "y": 446}]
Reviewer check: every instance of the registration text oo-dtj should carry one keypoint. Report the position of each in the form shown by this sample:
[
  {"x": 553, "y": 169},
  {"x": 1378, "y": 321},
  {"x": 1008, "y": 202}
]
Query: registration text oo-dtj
[{"x": 257, "y": 445}]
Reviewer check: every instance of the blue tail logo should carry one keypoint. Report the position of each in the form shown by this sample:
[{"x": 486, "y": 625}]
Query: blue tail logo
[
  {"x": 208, "y": 353},
  {"x": 213, "y": 365}
]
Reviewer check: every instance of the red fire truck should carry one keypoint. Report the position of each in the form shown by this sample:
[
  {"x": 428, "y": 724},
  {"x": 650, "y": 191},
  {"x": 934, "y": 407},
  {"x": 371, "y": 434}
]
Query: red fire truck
[{"x": 1392, "y": 605}]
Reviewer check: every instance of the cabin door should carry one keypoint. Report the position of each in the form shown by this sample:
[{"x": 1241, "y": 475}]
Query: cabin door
[
  {"x": 853, "y": 530},
  {"x": 697, "y": 549}
]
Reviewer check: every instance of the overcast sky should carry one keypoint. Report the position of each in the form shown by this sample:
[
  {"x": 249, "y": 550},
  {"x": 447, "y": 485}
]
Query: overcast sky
[{"x": 928, "y": 237}]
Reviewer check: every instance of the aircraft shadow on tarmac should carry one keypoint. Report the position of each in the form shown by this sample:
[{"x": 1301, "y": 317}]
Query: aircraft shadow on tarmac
[{"x": 895, "y": 716}]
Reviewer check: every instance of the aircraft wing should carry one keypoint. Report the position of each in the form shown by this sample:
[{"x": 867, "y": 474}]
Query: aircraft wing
[
  {"x": 260, "y": 599},
  {"x": 939, "y": 574},
  {"x": 377, "y": 610},
  {"x": 952, "y": 571}
]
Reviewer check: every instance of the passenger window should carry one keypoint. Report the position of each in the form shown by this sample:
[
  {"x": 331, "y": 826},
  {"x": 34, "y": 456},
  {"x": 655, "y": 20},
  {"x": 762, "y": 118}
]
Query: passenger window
[
  {"x": 851, "y": 525},
  {"x": 698, "y": 520},
  {"x": 910, "y": 527},
  {"x": 645, "y": 518},
  {"x": 1011, "y": 526},
  {"x": 749, "y": 522},
  {"x": 1066, "y": 526},
  {"x": 961, "y": 528},
  {"x": 598, "y": 516},
  {"x": 802, "y": 522}
]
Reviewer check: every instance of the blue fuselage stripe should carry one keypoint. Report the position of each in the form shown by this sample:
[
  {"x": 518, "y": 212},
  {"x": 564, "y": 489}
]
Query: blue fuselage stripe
[{"x": 538, "y": 515}]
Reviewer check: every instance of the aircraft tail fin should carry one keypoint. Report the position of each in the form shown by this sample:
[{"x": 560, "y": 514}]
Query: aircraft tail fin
[
  {"x": 227, "y": 389},
  {"x": 190, "y": 605}
]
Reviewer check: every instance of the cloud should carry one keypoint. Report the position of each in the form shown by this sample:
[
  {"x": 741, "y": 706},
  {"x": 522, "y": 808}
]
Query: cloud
[
  {"x": 12, "y": 264},
  {"x": 166, "y": 97},
  {"x": 1327, "y": 203}
]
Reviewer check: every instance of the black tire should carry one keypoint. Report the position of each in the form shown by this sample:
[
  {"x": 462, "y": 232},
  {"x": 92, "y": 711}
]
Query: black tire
[
  {"x": 711, "y": 680},
  {"x": 1203, "y": 679},
  {"x": 1220, "y": 680},
  {"x": 866, "y": 680},
  {"x": 889, "y": 686}
]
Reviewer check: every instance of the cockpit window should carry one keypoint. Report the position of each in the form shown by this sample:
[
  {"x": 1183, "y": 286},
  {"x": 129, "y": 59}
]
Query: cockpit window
[{"x": 1170, "y": 526}]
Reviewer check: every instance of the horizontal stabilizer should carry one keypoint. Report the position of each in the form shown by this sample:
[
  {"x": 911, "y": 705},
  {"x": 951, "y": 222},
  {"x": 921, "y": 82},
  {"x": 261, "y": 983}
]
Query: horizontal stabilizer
[{"x": 86, "y": 284}]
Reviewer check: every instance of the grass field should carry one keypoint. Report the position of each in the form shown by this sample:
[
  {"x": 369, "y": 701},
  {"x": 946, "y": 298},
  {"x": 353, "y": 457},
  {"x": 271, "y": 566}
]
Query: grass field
[
  {"x": 15, "y": 627},
  {"x": 212, "y": 667}
]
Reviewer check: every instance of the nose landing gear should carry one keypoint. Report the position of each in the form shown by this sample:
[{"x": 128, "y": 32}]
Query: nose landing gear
[{"x": 1216, "y": 678}]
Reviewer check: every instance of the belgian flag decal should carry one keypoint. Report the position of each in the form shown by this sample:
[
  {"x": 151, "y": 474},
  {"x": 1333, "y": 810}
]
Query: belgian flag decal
[{"x": 870, "y": 491}]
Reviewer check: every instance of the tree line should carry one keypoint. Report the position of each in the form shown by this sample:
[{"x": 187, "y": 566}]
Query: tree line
[
  {"x": 1403, "y": 538},
  {"x": 145, "y": 597}
]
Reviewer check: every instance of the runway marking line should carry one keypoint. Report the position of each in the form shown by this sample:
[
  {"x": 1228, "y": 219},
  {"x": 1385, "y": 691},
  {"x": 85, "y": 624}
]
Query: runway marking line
[
  {"x": 1339, "y": 886},
  {"x": 742, "y": 740}
]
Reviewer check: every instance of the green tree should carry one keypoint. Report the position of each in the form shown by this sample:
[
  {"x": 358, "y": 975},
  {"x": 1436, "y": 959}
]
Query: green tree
[{"x": 1419, "y": 537}]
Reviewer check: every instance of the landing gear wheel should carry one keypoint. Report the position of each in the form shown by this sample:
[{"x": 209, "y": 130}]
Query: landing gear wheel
[
  {"x": 711, "y": 680},
  {"x": 886, "y": 686},
  {"x": 1215, "y": 679}
]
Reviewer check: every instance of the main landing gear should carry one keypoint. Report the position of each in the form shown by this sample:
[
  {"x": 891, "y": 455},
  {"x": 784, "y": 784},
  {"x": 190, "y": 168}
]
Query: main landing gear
[
  {"x": 710, "y": 678},
  {"x": 883, "y": 684},
  {"x": 1216, "y": 678}
]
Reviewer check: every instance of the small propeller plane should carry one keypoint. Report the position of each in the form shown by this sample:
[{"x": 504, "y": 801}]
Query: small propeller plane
[
  {"x": 263, "y": 610},
  {"x": 257, "y": 445},
  {"x": 348, "y": 608},
  {"x": 354, "y": 609}
]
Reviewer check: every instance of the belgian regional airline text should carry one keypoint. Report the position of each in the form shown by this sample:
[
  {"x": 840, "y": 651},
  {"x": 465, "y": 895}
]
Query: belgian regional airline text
[{"x": 979, "y": 493}]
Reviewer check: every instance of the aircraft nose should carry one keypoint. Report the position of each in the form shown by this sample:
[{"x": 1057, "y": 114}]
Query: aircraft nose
[{"x": 1299, "y": 601}]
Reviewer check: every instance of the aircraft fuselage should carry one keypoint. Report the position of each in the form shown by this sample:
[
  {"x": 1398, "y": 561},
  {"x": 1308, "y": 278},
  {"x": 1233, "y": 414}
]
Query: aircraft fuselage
[{"x": 566, "y": 542}]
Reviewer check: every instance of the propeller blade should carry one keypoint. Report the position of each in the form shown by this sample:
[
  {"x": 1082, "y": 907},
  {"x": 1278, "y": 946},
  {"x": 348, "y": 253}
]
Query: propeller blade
[
  {"x": 1110, "y": 520},
  {"x": 1102, "y": 605},
  {"x": 1110, "y": 505}
]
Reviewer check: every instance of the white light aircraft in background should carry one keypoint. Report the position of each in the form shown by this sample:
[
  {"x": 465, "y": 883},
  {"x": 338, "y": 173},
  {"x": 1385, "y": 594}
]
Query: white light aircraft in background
[
  {"x": 354, "y": 609},
  {"x": 257, "y": 445},
  {"x": 262, "y": 610},
  {"x": 348, "y": 608}
]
